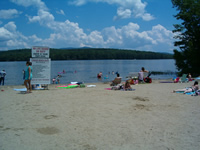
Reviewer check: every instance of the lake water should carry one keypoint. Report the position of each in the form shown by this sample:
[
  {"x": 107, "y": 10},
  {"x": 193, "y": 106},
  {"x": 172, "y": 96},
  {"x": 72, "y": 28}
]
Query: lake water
[{"x": 86, "y": 70}]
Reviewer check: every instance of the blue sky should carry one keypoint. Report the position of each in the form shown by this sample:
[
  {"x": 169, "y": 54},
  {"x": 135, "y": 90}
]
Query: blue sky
[{"x": 124, "y": 24}]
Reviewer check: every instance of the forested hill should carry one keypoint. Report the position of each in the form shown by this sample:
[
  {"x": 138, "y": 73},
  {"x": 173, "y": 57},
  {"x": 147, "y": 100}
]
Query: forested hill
[{"x": 84, "y": 54}]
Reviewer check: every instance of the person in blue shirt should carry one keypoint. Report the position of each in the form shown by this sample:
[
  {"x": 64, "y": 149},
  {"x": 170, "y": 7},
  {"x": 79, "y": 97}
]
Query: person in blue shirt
[{"x": 28, "y": 77}]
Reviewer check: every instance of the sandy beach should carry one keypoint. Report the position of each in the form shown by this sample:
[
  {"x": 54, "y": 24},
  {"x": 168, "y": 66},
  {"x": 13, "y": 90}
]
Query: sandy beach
[{"x": 149, "y": 118}]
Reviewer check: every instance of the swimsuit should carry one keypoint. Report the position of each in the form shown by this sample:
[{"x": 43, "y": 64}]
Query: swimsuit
[{"x": 27, "y": 73}]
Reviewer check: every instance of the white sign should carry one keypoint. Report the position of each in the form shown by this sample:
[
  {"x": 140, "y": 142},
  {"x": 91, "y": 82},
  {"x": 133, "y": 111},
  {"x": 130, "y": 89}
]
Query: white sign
[
  {"x": 42, "y": 52},
  {"x": 41, "y": 70}
]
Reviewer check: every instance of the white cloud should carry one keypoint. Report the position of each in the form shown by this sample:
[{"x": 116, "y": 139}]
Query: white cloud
[
  {"x": 43, "y": 17},
  {"x": 147, "y": 17},
  {"x": 70, "y": 34},
  {"x": 27, "y": 3},
  {"x": 61, "y": 12},
  {"x": 35, "y": 39},
  {"x": 10, "y": 38},
  {"x": 127, "y": 8},
  {"x": 78, "y": 2},
  {"x": 161, "y": 34},
  {"x": 10, "y": 26},
  {"x": 112, "y": 36},
  {"x": 9, "y": 13},
  {"x": 5, "y": 34},
  {"x": 123, "y": 13},
  {"x": 127, "y": 36},
  {"x": 163, "y": 39},
  {"x": 95, "y": 38}
]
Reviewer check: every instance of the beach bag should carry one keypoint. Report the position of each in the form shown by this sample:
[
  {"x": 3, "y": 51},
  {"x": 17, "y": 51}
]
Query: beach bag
[
  {"x": 147, "y": 80},
  {"x": 131, "y": 81}
]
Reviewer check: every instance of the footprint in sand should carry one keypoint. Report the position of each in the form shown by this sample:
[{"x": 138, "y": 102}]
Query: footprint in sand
[
  {"x": 141, "y": 99},
  {"x": 50, "y": 116},
  {"x": 139, "y": 106},
  {"x": 48, "y": 130}
]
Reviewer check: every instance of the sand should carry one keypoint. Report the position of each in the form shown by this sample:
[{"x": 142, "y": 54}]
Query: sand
[{"x": 149, "y": 118}]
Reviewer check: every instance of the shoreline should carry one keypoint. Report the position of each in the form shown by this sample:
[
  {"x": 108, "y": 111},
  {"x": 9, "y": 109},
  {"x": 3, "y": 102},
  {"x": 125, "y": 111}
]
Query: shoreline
[
  {"x": 98, "y": 82},
  {"x": 151, "y": 117}
]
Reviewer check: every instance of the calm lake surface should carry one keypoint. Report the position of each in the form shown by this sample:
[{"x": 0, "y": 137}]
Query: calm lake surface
[{"x": 86, "y": 70}]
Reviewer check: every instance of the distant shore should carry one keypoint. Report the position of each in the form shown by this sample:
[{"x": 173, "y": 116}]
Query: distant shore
[{"x": 85, "y": 54}]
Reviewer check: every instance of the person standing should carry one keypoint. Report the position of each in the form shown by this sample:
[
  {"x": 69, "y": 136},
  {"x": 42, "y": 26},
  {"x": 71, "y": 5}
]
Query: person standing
[
  {"x": 2, "y": 76},
  {"x": 28, "y": 77}
]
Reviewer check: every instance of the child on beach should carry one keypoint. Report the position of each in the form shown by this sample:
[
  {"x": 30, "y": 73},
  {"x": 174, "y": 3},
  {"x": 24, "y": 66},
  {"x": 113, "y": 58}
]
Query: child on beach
[
  {"x": 190, "y": 77},
  {"x": 127, "y": 85},
  {"x": 58, "y": 79},
  {"x": 53, "y": 80}
]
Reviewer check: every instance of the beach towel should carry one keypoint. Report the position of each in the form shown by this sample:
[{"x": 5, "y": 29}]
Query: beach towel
[
  {"x": 21, "y": 90},
  {"x": 24, "y": 89},
  {"x": 190, "y": 93},
  {"x": 91, "y": 85},
  {"x": 69, "y": 86}
]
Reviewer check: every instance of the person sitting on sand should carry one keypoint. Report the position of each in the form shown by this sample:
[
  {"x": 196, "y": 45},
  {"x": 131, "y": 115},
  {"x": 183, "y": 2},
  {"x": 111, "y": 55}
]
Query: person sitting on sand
[
  {"x": 127, "y": 85},
  {"x": 193, "y": 88},
  {"x": 116, "y": 81},
  {"x": 190, "y": 77},
  {"x": 141, "y": 74}
]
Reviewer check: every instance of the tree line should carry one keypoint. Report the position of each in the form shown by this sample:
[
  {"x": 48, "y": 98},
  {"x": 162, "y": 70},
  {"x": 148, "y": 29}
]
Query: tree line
[{"x": 84, "y": 54}]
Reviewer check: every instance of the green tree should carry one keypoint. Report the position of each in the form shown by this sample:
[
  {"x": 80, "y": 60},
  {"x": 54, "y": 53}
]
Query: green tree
[{"x": 187, "y": 36}]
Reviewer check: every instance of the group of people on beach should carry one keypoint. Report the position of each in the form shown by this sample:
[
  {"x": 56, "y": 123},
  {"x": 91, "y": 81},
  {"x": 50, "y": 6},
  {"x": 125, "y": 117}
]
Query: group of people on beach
[{"x": 116, "y": 83}]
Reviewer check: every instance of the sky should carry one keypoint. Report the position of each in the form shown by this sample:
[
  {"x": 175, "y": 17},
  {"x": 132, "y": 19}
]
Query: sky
[{"x": 123, "y": 24}]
